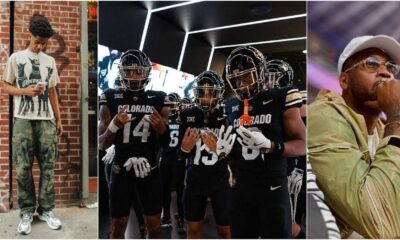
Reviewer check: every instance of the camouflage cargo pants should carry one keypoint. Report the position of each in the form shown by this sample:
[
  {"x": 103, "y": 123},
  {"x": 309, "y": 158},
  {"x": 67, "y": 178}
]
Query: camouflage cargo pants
[{"x": 34, "y": 138}]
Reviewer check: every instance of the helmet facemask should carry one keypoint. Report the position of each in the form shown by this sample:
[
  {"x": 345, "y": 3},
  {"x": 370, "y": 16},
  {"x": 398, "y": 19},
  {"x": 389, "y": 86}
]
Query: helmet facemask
[
  {"x": 208, "y": 90},
  {"x": 245, "y": 84},
  {"x": 135, "y": 78},
  {"x": 173, "y": 103},
  {"x": 245, "y": 68},
  {"x": 134, "y": 69},
  {"x": 207, "y": 96},
  {"x": 185, "y": 103},
  {"x": 279, "y": 74}
]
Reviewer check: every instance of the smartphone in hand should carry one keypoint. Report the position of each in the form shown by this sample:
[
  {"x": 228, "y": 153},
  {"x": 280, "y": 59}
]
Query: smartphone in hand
[{"x": 41, "y": 84}]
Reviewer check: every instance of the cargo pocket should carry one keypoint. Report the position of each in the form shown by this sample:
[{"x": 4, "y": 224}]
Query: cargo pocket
[{"x": 47, "y": 147}]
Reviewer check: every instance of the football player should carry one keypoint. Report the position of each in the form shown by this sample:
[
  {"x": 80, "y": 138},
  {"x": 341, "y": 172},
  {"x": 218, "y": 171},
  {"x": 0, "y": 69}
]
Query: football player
[
  {"x": 279, "y": 74},
  {"x": 269, "y": 129},
  {"x": 107, "y": 159},
  {"x": 134, "y": 120},
  {"x": 172, "y": 169},
  {"x": 207, "y": 175},
  {"x": 185, "y": 103}
]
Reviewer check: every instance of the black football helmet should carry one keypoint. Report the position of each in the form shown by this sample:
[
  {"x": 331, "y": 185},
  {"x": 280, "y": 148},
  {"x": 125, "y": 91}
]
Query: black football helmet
[
  {"x": 173, "y": 101},
  {"x": 134, "y": 69},
  {"x": 245, "y": 69},
  {"x": 278, "y": 74},
  {"x": 208, "y": 89},
  {"x": 185, "y": 103}
]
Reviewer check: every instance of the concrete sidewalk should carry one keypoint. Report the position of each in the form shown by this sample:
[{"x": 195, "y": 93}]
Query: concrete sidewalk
[{"x": 76, "y": 223}]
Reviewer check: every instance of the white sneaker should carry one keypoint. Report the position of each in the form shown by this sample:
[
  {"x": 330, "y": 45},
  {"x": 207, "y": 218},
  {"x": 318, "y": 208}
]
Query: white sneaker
[
  {"x": 53, "y": 222},
  {"x": 24, "y": 226}
]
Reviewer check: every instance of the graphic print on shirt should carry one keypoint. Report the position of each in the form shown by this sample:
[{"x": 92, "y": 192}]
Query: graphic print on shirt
[
  {"x": 34, "y": 77},
  {"x": 44, "y": 97},
  {"x": 22, "y": 82}
]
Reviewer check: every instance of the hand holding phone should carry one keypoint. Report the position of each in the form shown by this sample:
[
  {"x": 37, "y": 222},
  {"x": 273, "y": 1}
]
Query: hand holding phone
[{"x": 41, "y": 86}]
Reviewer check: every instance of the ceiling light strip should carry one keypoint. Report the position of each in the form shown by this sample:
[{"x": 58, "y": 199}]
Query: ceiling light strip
[
  {"x": 250, "y": 23},
  {"x": 262, "y": 42},
  {"x": 174, "y": 6},
  {"x": 149, "y": 12},
  {"x": 183, "y": 51},
  {"x": 146, "y": 26},
  {"x": 210, "y": 58}
]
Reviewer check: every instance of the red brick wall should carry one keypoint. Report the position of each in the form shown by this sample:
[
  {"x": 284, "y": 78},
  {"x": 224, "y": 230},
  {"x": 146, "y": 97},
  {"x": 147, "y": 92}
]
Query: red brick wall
[
  {"x": 4, "y": 53},
  {"x": 65, "y": 20}
]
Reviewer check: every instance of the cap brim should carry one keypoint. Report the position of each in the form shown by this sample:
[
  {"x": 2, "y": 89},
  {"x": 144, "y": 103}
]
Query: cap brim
[{"x": 387, "y": 44}]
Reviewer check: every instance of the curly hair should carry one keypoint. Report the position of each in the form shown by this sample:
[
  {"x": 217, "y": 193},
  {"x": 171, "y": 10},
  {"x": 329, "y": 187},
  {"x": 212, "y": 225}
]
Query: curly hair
[{"x": 40, "y": 26}]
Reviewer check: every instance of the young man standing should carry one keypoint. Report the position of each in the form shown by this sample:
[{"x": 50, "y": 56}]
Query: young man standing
[{"x": 31, "y": 76}]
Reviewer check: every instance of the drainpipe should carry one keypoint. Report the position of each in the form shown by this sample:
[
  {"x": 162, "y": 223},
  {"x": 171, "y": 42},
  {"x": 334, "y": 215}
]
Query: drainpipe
[
  {"x": 84, "y": 103},
  {"x": 10, "y": 110}
]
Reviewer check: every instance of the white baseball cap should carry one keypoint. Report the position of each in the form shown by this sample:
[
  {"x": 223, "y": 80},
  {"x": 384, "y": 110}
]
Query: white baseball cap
[{"x": 383, "y": 42}]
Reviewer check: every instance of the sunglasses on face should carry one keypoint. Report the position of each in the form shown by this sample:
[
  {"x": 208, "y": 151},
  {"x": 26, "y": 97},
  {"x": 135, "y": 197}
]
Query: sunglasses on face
[{"x": 373, "y": 64}]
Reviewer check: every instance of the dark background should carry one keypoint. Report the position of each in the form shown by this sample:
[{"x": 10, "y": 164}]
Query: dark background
[{"x": 121, "y": 26}]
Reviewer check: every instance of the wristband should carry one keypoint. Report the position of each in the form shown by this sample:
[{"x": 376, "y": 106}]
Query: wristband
[
  {"x": 184, "y": 150},
  {"x": 278, "y": 149},
  {"x": 112, "y": 127}
]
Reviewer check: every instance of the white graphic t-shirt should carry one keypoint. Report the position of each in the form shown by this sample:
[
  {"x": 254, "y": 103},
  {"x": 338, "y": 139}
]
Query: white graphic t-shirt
[{"x": 26, "y": 68}]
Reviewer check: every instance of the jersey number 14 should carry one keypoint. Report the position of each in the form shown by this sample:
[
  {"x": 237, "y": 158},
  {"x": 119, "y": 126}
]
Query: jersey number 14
[{"x": 141, "y": 130}]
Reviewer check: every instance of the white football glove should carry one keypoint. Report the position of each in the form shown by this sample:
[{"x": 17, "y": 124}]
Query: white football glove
[
  {"x": 253, "y": 140},
  {"x": 295, "y": 181},
  {"x": 107, "y": 159},
  {"x": 140, "y": 165},
  {"x": 225, "y": 141}
]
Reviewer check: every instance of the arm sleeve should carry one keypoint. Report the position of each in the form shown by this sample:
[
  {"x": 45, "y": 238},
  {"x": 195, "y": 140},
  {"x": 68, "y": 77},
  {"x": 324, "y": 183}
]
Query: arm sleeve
[
  {"x": 9, "y": 71},
  {"x": 54, "y": 79},
  {"x": 293, "y": 98}
]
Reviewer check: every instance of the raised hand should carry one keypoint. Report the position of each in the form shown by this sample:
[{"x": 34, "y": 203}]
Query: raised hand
[
  {"x": 210, "y": 140},
  {"x": 225, "y": 141},
  {"x": 189, "y": 139},
  {"x": 156, "y": 121},
  {"x": 388, "y": 95},
  {"x": 121, "y": 118},
  {"x": 253, "y": 140}
]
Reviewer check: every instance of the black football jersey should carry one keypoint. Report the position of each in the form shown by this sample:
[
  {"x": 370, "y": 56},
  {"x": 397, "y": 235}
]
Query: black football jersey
[
  {"x": 136, "y": 138},
  {"x": 169, "y": 152},
  {"x": 202, "y": 161},
  {"x": 266, "y": 111}
]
